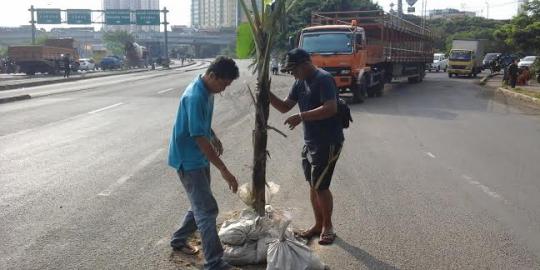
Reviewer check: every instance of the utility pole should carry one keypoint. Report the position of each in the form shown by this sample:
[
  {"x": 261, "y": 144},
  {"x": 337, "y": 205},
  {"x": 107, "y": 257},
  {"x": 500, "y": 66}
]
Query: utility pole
[
  {"x": 33, "y": 23},
  {"x": 400, "y": 8},
  {"x": 165, "y": 23},
  {"x": 487, "y": 9}
]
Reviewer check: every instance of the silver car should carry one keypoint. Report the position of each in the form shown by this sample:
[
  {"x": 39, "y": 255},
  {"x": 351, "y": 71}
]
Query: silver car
[{"x": 527, "y": 61}]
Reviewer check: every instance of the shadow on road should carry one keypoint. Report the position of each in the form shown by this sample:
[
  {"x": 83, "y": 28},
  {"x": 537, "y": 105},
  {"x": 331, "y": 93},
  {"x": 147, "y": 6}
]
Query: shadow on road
[{"x": 363, "y": 257}]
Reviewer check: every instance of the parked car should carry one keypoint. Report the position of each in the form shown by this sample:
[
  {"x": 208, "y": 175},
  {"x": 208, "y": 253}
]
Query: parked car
[
  {"x": 527, "y": 61},
  {"x": 490, "y": 57},
  {"x": 87, "y": 64},
  {"x": 440, "y": 62},
  {"x": 111, "y": 62}
]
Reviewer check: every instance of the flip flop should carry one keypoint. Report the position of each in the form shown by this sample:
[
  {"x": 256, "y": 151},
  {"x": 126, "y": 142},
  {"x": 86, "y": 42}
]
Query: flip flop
[
  {"x": 187, "y": 249},
  {"x": 327, "y": 238},
  {"x": 307, "y": 234}
]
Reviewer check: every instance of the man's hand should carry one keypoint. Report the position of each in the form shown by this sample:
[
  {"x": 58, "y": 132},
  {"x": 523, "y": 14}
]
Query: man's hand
[
  {"x": 293, "y": 121},
  {"x": 216, "y": 144},
  {"x": 230, "y": 179}
]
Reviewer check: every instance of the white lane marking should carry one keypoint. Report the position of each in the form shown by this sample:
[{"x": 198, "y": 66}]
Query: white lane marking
[
  {"x": 165, "y": 91},
  {"x": 431, "y": 155},
  {"x": 145, "y": 162},
  {"x": 486, "y": 190},
  {"x": 106, "y": 108}
]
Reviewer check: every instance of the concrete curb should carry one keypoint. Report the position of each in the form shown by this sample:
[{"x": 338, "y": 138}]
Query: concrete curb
[
  {"x": 24, "y": 97},
  {"x": 47, "y": 82},
  {"x": 14, "y": 98},
  {"x": 519, "y": 96}
]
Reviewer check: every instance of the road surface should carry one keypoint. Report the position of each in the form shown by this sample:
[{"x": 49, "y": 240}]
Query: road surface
[{"x": 436, "y": 175}]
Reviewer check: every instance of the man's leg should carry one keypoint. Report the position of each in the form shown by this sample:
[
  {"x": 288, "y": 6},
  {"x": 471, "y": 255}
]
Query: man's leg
[
  {"x": 188, "y": 227},
  {"x": 205, "y": 211},
  {"x": 317, "y": 212},
  {"x": 326, "y": 204}
]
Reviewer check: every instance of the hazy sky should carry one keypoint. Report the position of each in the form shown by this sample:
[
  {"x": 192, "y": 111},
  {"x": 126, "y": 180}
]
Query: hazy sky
[{"x": 16, "y": 12}]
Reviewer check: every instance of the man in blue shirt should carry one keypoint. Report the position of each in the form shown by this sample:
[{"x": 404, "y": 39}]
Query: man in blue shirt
[
  {"x": 193, "y": 146},
  {"x": 315, "y": 92}
]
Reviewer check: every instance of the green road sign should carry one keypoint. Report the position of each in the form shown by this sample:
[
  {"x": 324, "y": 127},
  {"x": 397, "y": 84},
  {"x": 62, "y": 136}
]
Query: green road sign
[
  {"x": 79, "y": 16},
  {"x": 48, "y": 16},
  {"x": 117, "y": 16},
  {"x": 147, "y": 17}
]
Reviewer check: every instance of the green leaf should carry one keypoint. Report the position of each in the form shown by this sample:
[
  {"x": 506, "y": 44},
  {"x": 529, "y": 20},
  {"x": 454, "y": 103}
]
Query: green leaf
[{"x": 244, "y": 41}]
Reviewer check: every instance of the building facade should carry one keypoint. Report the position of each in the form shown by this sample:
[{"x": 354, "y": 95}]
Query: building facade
[
  {"x": 215, "y": 14},
  {"x": 132, "y": 5}
]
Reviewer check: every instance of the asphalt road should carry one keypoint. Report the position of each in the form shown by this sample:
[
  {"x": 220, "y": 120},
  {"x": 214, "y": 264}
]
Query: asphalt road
[{"x": 436, "y": 175}]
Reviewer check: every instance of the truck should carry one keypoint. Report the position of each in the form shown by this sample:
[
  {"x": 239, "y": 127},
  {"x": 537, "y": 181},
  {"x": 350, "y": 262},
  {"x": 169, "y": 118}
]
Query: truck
[
  {"x": 466, "y": 57},
  {"x": 363, "y": 50},
  {"x": 136, "y": 55},
  {"x": 46, "y": 58}
]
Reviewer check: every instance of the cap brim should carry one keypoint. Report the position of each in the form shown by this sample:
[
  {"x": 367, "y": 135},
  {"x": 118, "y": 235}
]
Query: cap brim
[{"x": 289, "y": 66}]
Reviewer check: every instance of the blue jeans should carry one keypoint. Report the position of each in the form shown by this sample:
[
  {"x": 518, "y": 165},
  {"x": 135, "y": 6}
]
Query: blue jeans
[{"x": 202, "y": 216}]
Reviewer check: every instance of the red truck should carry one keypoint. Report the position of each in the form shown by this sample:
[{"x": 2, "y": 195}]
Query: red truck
[
  {"x": 46, "y": 58},
  {"x": 363, "y": 50}
]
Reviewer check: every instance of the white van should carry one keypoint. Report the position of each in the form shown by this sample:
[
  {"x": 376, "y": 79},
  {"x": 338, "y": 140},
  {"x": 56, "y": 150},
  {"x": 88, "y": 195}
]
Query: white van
[{"x": 440, "y": 62}]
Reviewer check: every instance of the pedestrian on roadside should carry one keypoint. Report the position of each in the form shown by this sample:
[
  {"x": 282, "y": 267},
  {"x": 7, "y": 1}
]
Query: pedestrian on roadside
[
  {"x": 513, "y": 73},
  {"x": 67, "y": 65},
  {"x": 524, "y": 76},
  {"x": 193, "y": 146},
  {"x": 275, "y": 66},
  {"x": 316, "y": 95}
]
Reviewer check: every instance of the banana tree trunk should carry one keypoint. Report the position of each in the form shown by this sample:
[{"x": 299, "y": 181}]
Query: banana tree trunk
[{"x": 260, "y": 139}]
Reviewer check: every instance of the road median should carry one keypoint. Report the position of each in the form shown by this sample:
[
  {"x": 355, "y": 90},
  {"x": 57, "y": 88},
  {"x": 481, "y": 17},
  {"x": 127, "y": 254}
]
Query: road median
[
  {"x": 23, "y": 96},
  {"x": 78, "y": 78}
]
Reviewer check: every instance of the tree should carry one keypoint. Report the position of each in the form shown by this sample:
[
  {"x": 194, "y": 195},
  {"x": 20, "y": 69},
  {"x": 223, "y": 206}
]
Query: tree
[
  {"x": 523, "y": 31},
  {"x": 265, "y": 24},
  {"x": 115, "y": 41}
]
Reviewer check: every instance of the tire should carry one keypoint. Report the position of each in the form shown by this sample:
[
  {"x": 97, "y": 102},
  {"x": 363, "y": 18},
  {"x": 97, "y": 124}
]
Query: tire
[
  {"x": 450, "y": 75},
  {"x": 358, "y": 92},
  {"x": 379, "y": 89},
  {"x": 414, "y": 79},
  {"x": 438, "y": 69}
]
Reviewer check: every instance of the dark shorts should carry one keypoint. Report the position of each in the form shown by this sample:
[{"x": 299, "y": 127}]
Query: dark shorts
[{"x": 319, "y": 162}]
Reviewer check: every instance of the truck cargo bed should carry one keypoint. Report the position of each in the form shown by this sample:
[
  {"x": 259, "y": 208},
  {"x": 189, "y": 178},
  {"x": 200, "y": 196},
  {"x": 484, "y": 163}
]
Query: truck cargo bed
[{"x": 390, "y": 39}]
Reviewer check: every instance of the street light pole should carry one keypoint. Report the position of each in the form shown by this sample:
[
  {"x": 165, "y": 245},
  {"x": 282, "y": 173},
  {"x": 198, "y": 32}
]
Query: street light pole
[
  {"x": 33, "y": 23},
  {"x": 165, "y": 23}
]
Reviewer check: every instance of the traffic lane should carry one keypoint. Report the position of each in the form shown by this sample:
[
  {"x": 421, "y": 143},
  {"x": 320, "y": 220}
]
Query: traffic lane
[
  {"x": 68, "y": 165},
  {"x": 26, "y": 115},
  {"x": 413, "y": 208}
]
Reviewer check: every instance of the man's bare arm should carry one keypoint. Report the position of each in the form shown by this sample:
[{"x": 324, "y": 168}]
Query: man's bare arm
[
  {"x": 282, "y": 106},
  {"x": 206, "y": 147}
]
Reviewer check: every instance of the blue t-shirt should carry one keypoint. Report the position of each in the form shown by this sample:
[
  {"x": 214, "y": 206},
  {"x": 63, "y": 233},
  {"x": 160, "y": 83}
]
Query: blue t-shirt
[
  {"x": 310, "y": 94},
  {"x": 193, "y": 119}
]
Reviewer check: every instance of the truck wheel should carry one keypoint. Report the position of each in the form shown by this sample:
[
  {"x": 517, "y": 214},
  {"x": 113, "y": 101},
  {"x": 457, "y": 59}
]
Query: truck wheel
[
  {"x": 358, "y": 92},
  {"x": 414, "y": 79},
  {"x": 379, "y": 89}
]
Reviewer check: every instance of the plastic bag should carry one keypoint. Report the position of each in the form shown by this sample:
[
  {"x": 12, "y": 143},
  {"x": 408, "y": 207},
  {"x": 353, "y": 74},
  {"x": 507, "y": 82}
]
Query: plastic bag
[
  {"x": 237, "y": 232},
  {"x": 241, "y": 255},
  {"x": 287, "y": 253},
  {"x": 245, "y": 194}
]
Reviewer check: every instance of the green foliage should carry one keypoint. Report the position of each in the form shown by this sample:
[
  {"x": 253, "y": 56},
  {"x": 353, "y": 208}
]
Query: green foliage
[
  {"x": 40, "y": 40},
  {"x": 244, "y": 42},
  {"x": 3, "y": 51},
  {"x": 446, "y": 30},
  {"x": 523, "y": 31},
  {"x": 115, "y": 41}
]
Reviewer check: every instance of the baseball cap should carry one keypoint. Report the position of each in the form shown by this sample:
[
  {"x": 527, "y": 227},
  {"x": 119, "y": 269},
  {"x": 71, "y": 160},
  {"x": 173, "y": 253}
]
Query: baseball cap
[{"x": 296, "y": 57}]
